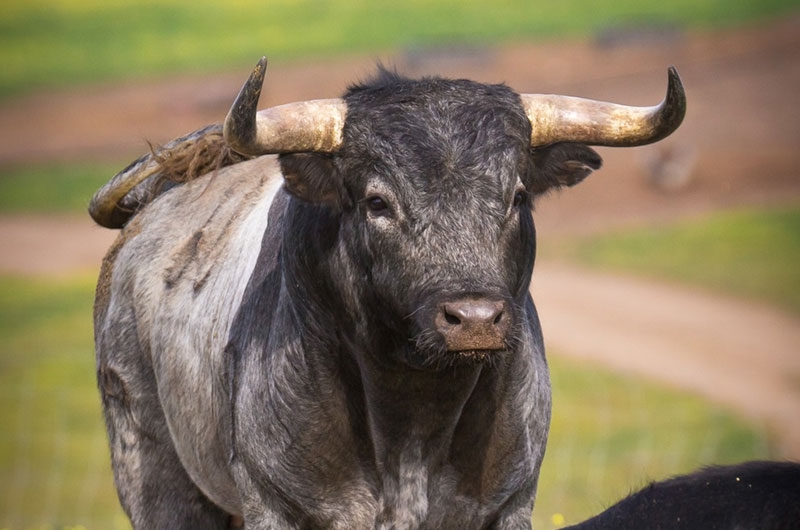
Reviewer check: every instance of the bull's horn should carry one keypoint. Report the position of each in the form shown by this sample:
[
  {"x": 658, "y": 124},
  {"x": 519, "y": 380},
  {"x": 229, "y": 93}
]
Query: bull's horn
[
  {"x": 293, "y": 128},
  {"x": 569, "y": 119}
]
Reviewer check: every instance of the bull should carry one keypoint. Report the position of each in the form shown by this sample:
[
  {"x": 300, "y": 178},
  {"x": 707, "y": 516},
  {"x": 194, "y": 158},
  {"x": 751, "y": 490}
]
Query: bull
[{"x": 341, "y": 336}]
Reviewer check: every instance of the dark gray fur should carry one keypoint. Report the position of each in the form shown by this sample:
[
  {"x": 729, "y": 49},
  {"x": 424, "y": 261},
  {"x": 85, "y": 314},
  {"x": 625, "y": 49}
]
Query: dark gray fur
[{"x": 332, "y": 402}]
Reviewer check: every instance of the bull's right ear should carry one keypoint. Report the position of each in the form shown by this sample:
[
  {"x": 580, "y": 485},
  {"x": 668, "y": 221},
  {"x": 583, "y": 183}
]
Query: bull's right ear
[{"x": 312, "y": 177}]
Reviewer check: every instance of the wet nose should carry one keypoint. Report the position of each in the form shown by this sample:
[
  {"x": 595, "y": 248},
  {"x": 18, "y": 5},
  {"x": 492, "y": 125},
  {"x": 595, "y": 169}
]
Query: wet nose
[{"x": 473, "y": 324}]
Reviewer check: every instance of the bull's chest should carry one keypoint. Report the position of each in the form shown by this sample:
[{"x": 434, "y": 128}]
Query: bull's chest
[{"x": 415, "y": 495}]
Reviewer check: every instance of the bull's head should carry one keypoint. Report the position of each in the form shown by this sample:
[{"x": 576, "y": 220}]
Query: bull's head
[
  {"x": 431, "y": 184},
  {"x": 435, "y": 180}
]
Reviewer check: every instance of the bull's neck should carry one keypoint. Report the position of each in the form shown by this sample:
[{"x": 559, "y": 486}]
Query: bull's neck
[
  {"x": 412, "y": 416},
  {"x": 405, "y": 405}
]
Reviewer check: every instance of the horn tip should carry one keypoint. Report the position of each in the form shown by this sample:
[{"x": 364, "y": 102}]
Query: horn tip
[
  {"x": 676, "y": 96},
  {"x": 674, "y": 79},
  {"x": 260, "y": 70},
  {"x": 240, "y": 127},
  {"x": 251, "y": 90}
]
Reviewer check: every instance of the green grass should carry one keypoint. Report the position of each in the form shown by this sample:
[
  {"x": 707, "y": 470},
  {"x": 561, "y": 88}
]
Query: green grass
[
  {"x": 52, "y": 188},
  {"x": 750, "y": 253},
  {"x": 609, "y": 433},
  {"x": 612, "y": 434},
  {"x": 54, "y": 468},
  {"x": 57, "y": 42}
]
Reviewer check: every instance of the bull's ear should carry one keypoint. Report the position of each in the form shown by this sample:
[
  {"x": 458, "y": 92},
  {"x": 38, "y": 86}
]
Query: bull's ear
[
  {"x": 562, "y": 164},
  {"x": 312, "y": 178}
]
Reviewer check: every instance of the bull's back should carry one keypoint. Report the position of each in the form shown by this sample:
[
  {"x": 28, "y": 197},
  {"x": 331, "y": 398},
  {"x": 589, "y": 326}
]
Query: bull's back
[{"x": 177, "y": 274}]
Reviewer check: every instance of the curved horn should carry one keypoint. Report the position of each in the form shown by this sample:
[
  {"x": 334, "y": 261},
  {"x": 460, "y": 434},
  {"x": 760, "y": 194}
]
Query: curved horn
[
  {"x": 293, "y": 128},
  {"x": 105, "y": 204},
  {"x": 569, "y": 119}
]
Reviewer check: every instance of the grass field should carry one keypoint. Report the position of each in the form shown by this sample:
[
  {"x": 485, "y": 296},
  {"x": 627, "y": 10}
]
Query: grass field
[
  {"x": 750, "y": 253},
  {"x": 52, "y": 188},
  {"x": 54, "y": 469},
  {"x": 47, "y": 43},
  {"x": 609, "y": 433}
]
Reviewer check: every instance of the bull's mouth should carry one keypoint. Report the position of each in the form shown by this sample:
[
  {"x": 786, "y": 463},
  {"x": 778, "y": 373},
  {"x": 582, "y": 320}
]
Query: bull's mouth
[
  {"x": 442, "y": 358},
  {"x": 477, "y": 356}
]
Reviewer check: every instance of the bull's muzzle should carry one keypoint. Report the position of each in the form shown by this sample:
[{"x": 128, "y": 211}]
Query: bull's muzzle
[{"x": 472, "y": 325}]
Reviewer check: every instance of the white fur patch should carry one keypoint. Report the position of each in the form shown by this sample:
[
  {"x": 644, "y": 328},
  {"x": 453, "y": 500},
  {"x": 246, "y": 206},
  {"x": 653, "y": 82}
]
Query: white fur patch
[{"x": 190, "y": 265}]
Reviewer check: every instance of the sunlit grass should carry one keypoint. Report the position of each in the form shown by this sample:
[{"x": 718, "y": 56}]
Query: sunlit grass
[
  {"x": 750, "y": 253},
  {"x": 612, "y": 434},
  {"x": 54, "y": 467},
  {"x": 57, "y": 42},
  {"x": 50, "y": 188},
  {"x": 609, "y": 433}
]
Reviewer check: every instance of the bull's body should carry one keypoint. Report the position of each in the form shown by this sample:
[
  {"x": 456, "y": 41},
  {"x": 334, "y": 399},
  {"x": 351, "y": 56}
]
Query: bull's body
[
  {"x": 343, "y": 339},
  {"x": 301, "y": 421}
]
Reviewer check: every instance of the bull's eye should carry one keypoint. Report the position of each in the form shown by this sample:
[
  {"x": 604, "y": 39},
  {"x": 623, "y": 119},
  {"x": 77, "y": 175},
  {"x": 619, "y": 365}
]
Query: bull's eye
[
  {"x": 519, "y": 198},
  {"x": 377, "y": 204}
]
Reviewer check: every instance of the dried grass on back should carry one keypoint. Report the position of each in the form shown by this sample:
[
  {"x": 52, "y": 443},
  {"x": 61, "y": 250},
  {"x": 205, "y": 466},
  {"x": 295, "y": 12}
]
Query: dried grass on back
[
  {"x": 193, "y": 156},
  {"x": 179, "y": 161}
]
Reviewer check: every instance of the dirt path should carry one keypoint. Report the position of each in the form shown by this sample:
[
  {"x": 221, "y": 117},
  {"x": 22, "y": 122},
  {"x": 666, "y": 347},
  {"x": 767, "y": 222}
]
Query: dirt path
[
  {"x": 51, "y": 245},
  {"x": 742, "y": 134},
  {"x": 743, "y": 355}
]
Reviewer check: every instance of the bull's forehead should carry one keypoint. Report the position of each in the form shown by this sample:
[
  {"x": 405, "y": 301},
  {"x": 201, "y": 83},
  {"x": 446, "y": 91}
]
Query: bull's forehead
[
  {"x": 437, "y": 136},
  {"x": 434, "y": 110}
]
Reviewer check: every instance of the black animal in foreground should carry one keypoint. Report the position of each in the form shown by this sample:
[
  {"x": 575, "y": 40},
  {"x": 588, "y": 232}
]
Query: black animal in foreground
[
  {"x": 341, "y": 337},
  {"x": 748, "y": 496}
]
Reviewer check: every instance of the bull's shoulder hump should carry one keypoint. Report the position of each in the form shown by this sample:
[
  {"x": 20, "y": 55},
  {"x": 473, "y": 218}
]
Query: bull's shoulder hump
[
  {"x": 213, "y": 207},
  {"x": 206, "y": 230}
]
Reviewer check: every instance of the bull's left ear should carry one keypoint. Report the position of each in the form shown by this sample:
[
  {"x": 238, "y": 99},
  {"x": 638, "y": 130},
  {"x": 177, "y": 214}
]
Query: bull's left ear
[
  {"x": 562, "y": 164},
  {"x": 312, "y": 178}
]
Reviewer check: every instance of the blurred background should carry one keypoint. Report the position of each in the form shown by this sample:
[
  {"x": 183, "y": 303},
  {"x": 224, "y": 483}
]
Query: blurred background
[{"x": 668, "y": 283}]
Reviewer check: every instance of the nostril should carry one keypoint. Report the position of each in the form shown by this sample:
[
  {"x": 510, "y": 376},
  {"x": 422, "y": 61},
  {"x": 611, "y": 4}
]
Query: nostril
[
  {"x": 451, "y": 318},
  {"x": 498, "y": 318}
]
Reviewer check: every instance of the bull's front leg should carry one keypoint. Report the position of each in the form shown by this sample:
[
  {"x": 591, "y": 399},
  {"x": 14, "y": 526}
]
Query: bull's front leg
[
  {"x": 261, "y": 510},
  {"x": 267, "y": 520},
  {"x": 520, "y": 520},
  {"x": 517, "y": 511}
]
